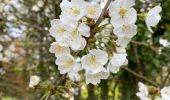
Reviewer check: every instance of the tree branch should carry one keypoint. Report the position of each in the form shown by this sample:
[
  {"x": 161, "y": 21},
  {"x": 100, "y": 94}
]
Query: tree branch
[
  {"x": 137, "y": 56},
  {"x": 99, "y": 20},
  {"x": 146, "y": 45},
  {"x": 140, "y": 76},
  {"x": 167, "y": 77}
]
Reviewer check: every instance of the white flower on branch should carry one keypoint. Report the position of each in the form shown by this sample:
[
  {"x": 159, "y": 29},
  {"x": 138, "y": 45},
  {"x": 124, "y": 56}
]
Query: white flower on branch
[
  {"x": 123, "y": 42},
  {"x": 93, "y": 10},
  {"x": 117, "y": 61},
  {"x": 143, "y": 93},
  {"x": 95, "y": 78},
  {"x": 58, "y": 29},
  {"x": 76, "y": 41},
  {"x": 121, "y": 12},
  {"x": 153, "y": 17},
  {"x": 94, "y": 61},
  {"x": 165, "y": 93},
  {"x": 59, "y": 49},
  {"x": 127, "y": 31},
  {"x": 65, "y": 63},
  {"x": 76, "y": 32},
  {"x": 73, "y": 9},
  {"x": 34, "y": 80},
  {"x": 73, "y": 74}
]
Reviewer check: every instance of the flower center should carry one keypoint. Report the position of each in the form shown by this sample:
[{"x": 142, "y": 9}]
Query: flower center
[
  {"x": 74, "y": 34},
  {"x": 61, "y": 30},
  {"x": 75, "y": 11},
  {"x": 59, "y": 49},
  {"x": 68, "y": 63},
  {"x": 123, "y": 11},
  {"x": 126, "y": 27},
  {"x": 93, "y": 60},
  {"x": 91, "y": 11}
]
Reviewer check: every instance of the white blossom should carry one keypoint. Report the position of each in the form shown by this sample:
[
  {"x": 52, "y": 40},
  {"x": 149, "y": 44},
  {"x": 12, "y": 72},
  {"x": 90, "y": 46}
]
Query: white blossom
[
  {"x": 2, "y": 71},
  {"x": 95, "y": 78},
  {"x": 123, "y": 42},
  {"x": 93, "y": 10},
  {"x": 121, "y": 49},
  {"x": 164, "y": 42},
  {"x": 35, "y": 8},
  {"x": 59, "y": 49},
  {"x": 58, "y": 30},
  {"x": 117, "y": 61},
  {"x": 65, "y": 63},
  {"x": 73, "y": 74},
  {"x": 94, "y": 61},
  {"x": 76, "y": 41},
  {"x": 127, "y": 31},
  {"x": 153, "y": 17},
  {"x": 103, "y": 3},
  {"x": 40, "y": 3},
  {"x": 34, "y": 80},
  {"x": 165, "y": 93},
  {"x": 73, "y": 9},
  {"x": 121, "y": 12},
  {"x": 143, "y": 93}
]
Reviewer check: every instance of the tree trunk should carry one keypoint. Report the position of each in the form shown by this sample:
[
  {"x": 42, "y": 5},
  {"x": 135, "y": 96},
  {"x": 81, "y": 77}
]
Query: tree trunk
[
  {"x": 91, "y": 92},
  {"x": 78, "y": 96},
  {"x": 104, "y": 90}
]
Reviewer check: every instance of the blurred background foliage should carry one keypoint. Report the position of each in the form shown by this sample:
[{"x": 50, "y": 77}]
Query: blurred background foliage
[{"x": 25, "y": 40}]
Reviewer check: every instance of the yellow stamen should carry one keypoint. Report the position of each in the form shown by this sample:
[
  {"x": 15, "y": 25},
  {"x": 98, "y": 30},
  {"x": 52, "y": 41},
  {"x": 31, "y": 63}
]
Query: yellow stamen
[
  {"x": 59, "y": 48},
  {"x": 74, "y": 34},
  {"x": 126, "y": 27},
  {"x": 61, "y": 30},
  {"x": 123, "y": 12},
  {"x": 93, "y": 60},
  {"x": 68, "y": 63},
  {"x": 75, "y": 11},
  {"x": 91, "y": 11}
]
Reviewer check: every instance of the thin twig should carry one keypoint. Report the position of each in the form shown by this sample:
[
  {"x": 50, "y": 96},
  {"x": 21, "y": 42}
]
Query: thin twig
[
  {"x": 167, "y": 77},
  {"x": 146, "y": 45},
  {"x": 136, "y": 56},
  {"x": 140, "y": 76}
]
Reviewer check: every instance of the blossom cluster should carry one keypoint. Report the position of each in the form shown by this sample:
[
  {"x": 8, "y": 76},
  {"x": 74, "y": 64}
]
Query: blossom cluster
[
  {"x": 77, "y": 48},
  {"x": 143, "y": 93}
]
